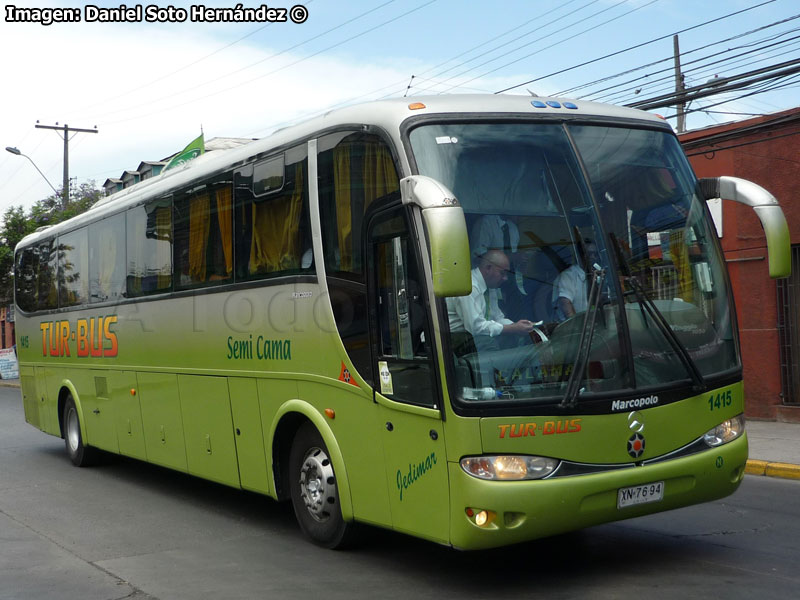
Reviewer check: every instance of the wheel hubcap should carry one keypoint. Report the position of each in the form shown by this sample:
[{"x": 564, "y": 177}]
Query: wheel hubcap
[
  {"x": 73, "y": 431},
  {"x": 317, "y": 484}
]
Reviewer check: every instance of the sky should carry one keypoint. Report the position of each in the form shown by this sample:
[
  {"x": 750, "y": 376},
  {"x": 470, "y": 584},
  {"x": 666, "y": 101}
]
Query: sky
[{"x": 149, "y": 86}]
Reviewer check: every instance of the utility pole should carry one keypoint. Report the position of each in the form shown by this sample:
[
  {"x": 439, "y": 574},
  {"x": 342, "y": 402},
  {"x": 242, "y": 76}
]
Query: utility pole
[
  {"x": 680, "y": 105},
  {"x": 66, "y": 129}
]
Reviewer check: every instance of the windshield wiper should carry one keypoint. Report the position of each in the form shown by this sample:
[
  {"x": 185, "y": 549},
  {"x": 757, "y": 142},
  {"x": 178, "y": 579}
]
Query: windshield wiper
[
  {"x": 647, "y": 304},
  {"x": 663, "y": 325},
  {"x": 585, "y": 343}
]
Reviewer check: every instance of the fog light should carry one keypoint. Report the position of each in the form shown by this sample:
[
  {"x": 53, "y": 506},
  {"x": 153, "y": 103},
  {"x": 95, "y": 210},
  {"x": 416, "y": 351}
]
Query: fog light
[{"x": 482, "y": 517}]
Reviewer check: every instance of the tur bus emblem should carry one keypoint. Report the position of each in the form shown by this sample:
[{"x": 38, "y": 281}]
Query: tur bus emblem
[{"x": 636, "y": 445}]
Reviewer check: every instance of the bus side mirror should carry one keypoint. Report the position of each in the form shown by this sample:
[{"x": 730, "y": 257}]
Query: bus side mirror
[
  {"x": 447, "y": 234},
  {"x": 768, "y": 211}
]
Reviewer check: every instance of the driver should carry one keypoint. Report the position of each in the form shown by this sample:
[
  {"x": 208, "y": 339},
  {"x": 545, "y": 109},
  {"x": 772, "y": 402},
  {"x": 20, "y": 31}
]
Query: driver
[{"x": 479, "y": 314}]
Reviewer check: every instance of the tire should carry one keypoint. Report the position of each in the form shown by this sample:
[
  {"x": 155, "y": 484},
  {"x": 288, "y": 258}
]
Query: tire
[
  {"x": 315, "y": 495},
  {"x": 79, "y": 454}
]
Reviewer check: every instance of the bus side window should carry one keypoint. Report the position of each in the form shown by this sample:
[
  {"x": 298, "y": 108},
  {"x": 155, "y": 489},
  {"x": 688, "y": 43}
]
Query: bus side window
[
  {"x": 107, "y": 259},
  {"x": 149, "y": 248},
  {"x": 203, "y": 235},
  {"x": 273, "y": 229},
  {"x": 73, "y": 268},
  {"x": 47, "y": 276},
  {"x": 25, "y": 278},
  {"x": 354, "y": 170}
]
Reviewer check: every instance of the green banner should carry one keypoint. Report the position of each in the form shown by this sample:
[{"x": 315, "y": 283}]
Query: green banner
[{"x": 195, "y": 148}]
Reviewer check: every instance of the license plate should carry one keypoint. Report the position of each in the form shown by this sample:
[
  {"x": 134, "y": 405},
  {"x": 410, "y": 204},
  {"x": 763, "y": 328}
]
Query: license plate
[{"x": 640, "y": 494}]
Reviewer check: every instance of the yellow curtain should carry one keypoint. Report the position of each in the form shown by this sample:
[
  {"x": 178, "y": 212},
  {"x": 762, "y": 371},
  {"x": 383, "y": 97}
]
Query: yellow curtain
[
  {"x": 199, "y": 221},
  {"x": 341, "y": 190},
  {"x": 679, "y": 253},
  {"x": 225, "y": 218},
  {"x": 164, "y": 246},
  {"x": 276, "y": 224},
  {"x": 380, "y": 177}
]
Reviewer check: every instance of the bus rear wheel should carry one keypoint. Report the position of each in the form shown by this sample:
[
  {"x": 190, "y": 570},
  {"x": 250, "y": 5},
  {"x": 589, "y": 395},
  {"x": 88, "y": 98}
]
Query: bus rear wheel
[
  {"x": 315, "y": 495},
  {"x": 79, "y": 454}
]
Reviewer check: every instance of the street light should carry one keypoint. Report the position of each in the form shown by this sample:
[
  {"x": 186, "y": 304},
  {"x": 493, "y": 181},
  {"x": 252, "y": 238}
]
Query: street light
[{"x": 18, "y": 153}]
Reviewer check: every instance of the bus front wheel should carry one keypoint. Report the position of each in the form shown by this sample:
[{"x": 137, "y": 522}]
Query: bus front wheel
[
  {"x": 79, "y": 454},
  {"x": 315, "y": 496}
]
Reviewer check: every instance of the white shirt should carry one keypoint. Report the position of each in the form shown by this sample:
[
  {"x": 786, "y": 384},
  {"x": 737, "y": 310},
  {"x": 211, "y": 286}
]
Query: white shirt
[
  {"x": 469, "y": 313},
  {"x": 571, "y": 284},
  {"x": 487, "y": 234}
]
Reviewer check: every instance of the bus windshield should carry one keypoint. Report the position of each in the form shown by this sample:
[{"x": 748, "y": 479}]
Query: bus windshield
[{"x": 595, "y": 270}]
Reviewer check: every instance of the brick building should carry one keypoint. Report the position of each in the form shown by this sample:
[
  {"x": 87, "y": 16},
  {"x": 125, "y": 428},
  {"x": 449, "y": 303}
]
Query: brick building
[{"x": 765, "y": 150}]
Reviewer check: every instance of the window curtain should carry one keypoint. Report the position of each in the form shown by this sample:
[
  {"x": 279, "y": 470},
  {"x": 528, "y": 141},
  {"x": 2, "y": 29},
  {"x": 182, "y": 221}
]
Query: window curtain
[
  {"x": 379, "y": 178},
  {"x": 679, "y": 252},
  {"x": 276, "y": 224},
  {"x": 225, "y": 219},
  {"x": 341, "y": 190},
  {"x": 199, "y": 221}
]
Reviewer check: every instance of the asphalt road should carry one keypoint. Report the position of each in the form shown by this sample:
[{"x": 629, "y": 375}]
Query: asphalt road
[{"x": 131, "y": 530}]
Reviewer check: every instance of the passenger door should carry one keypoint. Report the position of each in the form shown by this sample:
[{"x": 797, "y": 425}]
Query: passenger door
[{"x": 405, "y": 383}]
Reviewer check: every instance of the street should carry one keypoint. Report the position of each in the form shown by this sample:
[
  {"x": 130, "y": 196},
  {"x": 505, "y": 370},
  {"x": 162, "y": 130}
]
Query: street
[{"x": 131, "y": 530}]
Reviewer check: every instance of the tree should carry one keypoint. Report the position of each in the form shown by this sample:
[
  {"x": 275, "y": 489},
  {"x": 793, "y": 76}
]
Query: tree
[{"x": 17, "y": 224}]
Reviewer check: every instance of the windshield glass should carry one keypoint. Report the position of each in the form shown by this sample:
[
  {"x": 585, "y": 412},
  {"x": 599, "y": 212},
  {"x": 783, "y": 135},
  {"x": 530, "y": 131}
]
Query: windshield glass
[
  {"x": 666, "y": 249},
  {"x": 533, "y": 322}
]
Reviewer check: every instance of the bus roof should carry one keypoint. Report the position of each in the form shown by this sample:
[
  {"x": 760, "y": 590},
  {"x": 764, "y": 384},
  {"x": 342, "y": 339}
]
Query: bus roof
[{"x": 386, "y": 114}]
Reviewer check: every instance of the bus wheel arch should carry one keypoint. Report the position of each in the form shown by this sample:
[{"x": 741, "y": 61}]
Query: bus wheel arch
[{"x": 306, "y": 461}]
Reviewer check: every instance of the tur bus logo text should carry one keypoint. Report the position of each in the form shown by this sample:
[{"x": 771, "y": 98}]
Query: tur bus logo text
[{"x": 91, "y": 337}]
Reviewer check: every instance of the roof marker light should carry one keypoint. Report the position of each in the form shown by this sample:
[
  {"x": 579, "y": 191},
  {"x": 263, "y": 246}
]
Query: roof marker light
[
  {"x": 538, "y": 104},
  {"x": 570, "y": 105},
  {"x": 553, "y": 103}
]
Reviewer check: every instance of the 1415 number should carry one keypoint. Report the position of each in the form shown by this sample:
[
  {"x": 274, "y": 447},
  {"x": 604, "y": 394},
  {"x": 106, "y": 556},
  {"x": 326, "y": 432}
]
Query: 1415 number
[{"x": 720, "y": 400}]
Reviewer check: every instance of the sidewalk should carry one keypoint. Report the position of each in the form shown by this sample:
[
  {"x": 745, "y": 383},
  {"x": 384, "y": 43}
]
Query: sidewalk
[{"x": 774, "y": 446}]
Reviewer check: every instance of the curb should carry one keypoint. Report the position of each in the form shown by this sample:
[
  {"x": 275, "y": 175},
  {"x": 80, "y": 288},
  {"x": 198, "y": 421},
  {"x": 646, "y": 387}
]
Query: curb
[
  {"x": 11, "y": 384},
  {"x": 772, "y": 469}
]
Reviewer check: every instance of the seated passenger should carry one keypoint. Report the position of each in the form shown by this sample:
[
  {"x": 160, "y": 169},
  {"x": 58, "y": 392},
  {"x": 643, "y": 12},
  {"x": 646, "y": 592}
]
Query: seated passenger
[
  {"x": 500, "y": 232},
  {"x": 479, "y": 314},
  {"x": 569, "y": 288}
]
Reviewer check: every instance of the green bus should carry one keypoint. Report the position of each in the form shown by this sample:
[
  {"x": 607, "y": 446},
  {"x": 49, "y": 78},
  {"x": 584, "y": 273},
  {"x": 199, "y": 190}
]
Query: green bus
[{"x": 365, "y": 315}]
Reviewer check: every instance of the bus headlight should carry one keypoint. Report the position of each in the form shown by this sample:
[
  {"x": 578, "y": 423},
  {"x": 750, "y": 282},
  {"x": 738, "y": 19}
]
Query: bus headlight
[
  {"x": 509, "y": 467},
  {"x": 725, "y": 432}
]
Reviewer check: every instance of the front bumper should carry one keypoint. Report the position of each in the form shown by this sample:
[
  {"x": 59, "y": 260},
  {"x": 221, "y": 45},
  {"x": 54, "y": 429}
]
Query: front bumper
[{"x": 526, "y": 510}]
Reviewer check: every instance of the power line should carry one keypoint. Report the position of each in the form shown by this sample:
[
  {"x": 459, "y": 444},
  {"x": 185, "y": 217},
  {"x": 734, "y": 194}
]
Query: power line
[
  {"x": 503, "y": 66},
  {"x": 258, "y": 62},
  {"x": 623, "y": 95},
  {"x": 187, "y": 66},
  {"x": 723, "y": 85},
  {"x": 231, "y": 88},
  {"x": 669, "y": 58},
  {"x": 628, "y": 49},
  {"x": 534, "y": 30},
  {"x": 696, "y": 68}
]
